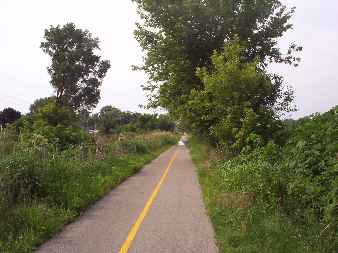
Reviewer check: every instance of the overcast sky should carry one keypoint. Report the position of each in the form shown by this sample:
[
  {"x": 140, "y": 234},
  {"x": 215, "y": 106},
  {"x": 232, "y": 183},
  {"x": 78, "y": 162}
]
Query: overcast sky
[{"x": 23, "y": 75}]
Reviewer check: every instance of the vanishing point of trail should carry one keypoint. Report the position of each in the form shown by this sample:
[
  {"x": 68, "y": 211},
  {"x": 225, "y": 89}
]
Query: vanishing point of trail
[{"x": 158, "y": 210}]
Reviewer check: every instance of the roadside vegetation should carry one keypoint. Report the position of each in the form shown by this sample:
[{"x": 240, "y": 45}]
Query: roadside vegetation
[
  {"x": 60, "y": 158},
  {"x": 275, "y": 198},
  {"x": 42, "y": 188},
  {"x": 272, "y": 184}
]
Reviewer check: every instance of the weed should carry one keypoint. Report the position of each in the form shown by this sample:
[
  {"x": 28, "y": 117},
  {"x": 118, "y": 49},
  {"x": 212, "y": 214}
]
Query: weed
[{"x": 41, "y": 193}]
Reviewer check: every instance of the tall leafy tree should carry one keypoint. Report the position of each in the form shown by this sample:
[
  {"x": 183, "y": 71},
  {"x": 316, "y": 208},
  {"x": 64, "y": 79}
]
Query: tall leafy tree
[
  {"x": 76, "y": 70},
  {"x": 181, "y": 36}
]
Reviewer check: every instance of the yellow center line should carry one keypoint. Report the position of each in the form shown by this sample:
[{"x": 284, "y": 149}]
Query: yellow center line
[{"x": 134, "y": 229}]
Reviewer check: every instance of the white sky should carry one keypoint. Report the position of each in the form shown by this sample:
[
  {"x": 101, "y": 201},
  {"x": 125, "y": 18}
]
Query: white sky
[
  {"x": 315, "y": 81},
  {"x": 23, "y": 75}
]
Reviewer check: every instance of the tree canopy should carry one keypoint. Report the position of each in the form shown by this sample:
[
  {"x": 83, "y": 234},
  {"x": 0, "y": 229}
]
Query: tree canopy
[
  {"x": 40, "y": 102},
  {"x": 110, "y": 118},
  {"x": 180, "y": 37},
  {"x": 76, "y": 70}
]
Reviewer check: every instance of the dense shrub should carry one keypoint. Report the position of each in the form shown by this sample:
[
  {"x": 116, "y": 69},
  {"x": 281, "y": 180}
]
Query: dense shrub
[
  {"x": 299, "y": 179},
  {"x": 240, "y": 103},
  {"x": 21, "y": 177},
  {"x": 57, "y": 125}
]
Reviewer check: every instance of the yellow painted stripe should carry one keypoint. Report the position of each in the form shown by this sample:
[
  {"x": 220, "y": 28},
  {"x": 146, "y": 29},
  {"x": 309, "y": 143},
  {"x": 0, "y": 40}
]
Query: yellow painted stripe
[{"x": 133, "y": 231}]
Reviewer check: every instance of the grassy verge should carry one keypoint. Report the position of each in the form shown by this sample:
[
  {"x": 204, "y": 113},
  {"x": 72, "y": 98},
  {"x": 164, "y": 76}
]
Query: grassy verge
[
  {"x": 40, "y": 196},
  {"x": 211, "y": 188},
  {"x": 243, "y": 222}
]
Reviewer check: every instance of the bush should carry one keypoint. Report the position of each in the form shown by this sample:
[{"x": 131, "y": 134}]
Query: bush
[
  {"x": 21, "y": 178},
  {"x": 60, "y": 136},
  {"x": 240, "y": 103},
  {"x": 299, "y": 179},
  {"x": 55, "y": 124}
]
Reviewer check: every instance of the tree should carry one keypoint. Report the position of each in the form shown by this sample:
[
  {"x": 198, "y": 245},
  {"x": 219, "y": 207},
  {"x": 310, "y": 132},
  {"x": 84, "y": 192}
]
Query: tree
[
  {"x": 240, "y": 104},
  {"x": 128, "y": 117},
  {"x": 110, "y": 119},
  {"x": 165, "y": 124},
  {"x": 9, "y": 116},
  {"x": 39, "y": 103},
  {"x": 76, "y": 70},
  {"x": 53, "y": 115},
  {"x": 181, "y": 36},
  {"x": 146, "y": 122}
]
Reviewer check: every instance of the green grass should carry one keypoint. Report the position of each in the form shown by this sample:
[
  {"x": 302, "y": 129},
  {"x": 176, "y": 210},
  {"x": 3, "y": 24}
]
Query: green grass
[
  {"x": 39, "y": 197},
  {"x": 244, "y": 225}
]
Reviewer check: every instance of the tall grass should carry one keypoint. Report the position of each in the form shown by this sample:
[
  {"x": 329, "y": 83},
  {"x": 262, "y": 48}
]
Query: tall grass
[
  {"x": 8, "y": 141},
  {"x": 41, "y": 189}
]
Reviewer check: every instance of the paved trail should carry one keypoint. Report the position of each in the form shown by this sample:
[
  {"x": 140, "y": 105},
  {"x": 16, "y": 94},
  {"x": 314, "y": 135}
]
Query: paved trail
[{"x": 133, "y": 219}]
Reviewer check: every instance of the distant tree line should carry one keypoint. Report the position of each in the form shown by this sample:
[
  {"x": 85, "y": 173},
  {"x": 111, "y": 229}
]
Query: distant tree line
[
  {"x": 112, "y": 120},
  {"x": 8, "y": 116}
]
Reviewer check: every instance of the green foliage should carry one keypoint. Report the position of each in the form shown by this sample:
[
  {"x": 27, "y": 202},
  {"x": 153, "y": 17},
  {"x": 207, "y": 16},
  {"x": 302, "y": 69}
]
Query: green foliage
[
  {"x": 279, "y": 198},
  {"x": 8, "y": 140},
  {"x": 165, "y": 123},
  {"x": 25, "y": 226},
  {"x": 140, "y": 144},
  {"x": 148, "y": 122},
  {"x": 240, "y": 103},
  {"x": 55, "y": 124},
  {"x": 20, "y": 178},
  {"x": 181, "y": 36},
  {"x": 38, "y": 103},
  {"x": 113, "y": 120},
  {"x": 241, "y": 226},
  {"x": 9, "y": 116},
  {"x": 43, "y": 189},
  {"x": 76, "y": 71},
  {"x": 53, "y": 114},
  {"x": 110, "y": 119},
  {"x": 62, "y": 136}
]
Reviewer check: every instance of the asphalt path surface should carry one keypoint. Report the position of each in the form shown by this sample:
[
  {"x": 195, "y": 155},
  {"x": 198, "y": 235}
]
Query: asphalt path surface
[{"x": 158, "y": 210}]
